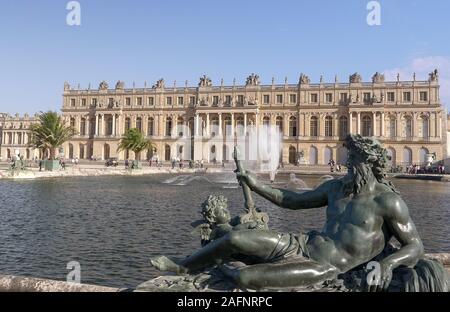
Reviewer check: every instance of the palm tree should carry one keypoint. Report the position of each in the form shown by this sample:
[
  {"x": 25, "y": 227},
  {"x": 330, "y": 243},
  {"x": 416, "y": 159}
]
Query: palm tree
[
  {"x": 134, "y": 140},
  {"x": 50, "y": 132}
]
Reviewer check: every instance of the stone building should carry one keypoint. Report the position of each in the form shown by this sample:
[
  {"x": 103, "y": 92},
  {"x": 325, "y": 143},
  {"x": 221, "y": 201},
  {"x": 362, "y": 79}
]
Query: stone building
[
  {"x": 204, "y": 122},
  {"x": 15, "y": 136},
  {"x": 185, "y": 122}
]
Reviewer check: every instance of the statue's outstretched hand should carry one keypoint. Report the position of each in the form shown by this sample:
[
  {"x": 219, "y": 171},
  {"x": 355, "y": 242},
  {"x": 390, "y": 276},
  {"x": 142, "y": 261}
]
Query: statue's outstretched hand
[{"x": 246, "y": 177}]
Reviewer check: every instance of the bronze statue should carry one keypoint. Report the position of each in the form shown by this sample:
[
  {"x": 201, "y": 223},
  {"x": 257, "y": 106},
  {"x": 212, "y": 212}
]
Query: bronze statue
[{"x": 364, "y": 212}]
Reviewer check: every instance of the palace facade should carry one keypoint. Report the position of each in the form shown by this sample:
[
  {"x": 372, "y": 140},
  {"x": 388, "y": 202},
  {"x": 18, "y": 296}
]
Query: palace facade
[
  {"x": 204, "y": 122},
  {"x": 15, "y": 136}
]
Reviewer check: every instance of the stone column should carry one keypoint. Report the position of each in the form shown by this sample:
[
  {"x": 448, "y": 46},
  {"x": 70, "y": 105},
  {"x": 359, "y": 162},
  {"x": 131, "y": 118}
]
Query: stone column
[
  {"x": 86, "y": 127},
  {"x": 102, "y": 129},
  {"x": 374, "y": 123},
  {"x": 382, "y": 125},
  {"x": 336, "y": 125},
  {"x": 439, "y": 125},
  {"x": 96, "y": 124},
  {"x": 220, "y": 125},
  {"x": 245, "y": 124},
  {"x": 350, "y": 123},
  {"x": 197, "y": 121},
  {"x": 358, "y": 123},
  {"x": 398, "y": 124},
  {"x": 299, "y": 128},
  {"x": 232, "y": 124},
  {"x": 207, "y": 125},
  {"x": 114, "y": 124}
]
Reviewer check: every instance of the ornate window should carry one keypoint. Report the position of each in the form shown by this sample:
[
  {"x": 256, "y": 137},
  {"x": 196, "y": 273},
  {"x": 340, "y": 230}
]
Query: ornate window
[
  {"x": 139, "y": 123},
  {"x": 328, "y": 126},
  {"x": 366, "y": 126},
  {"x": 313, "y": 127},
  {"x": 150, "y": 126},
  {"x": 343, "y": 126},
  {"x": 292, "y": 126}
]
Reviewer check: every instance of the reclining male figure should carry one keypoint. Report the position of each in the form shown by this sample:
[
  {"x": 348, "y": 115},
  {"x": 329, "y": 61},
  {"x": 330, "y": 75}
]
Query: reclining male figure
[{"x": 363, "y": 212}]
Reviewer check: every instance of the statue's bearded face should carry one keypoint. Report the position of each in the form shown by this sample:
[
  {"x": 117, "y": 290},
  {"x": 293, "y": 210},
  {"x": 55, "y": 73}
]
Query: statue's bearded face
[{"x": 359, "y": 170}]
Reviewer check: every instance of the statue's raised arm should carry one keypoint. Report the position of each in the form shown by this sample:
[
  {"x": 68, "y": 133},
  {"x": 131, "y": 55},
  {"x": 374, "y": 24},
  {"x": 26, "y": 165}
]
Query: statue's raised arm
[{"x": 285, "y": 198}]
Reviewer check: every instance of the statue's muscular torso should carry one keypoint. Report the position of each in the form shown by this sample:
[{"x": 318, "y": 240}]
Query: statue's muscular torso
[{"x": 354, "y": 231}]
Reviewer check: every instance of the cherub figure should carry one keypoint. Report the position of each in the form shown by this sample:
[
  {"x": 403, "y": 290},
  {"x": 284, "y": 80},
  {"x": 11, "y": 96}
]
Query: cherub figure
[{"x": 217, "y": 221}]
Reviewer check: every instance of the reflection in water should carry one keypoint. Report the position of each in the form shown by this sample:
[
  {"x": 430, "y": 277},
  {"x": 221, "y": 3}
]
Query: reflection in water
[{"x": 113, "y": 225}]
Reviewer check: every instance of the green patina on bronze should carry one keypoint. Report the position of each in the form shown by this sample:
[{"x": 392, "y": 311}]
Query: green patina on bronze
[{"x": 364, "y": 213}]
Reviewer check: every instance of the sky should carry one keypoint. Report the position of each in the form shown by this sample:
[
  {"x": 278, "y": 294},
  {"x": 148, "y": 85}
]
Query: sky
[{"x": 138, "y": 41}]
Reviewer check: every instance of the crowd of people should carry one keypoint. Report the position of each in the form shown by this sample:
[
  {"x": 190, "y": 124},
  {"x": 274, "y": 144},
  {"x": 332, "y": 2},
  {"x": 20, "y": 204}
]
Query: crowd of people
[{"x": 425, "y": 169}]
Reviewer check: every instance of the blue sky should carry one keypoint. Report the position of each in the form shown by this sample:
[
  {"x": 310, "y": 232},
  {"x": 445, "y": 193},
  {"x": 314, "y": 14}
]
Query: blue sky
[{"x": 137, "y": 40}]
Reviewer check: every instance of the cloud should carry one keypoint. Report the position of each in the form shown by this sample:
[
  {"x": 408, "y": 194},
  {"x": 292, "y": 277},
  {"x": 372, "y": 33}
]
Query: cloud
[{"x": 422, "y": 67}]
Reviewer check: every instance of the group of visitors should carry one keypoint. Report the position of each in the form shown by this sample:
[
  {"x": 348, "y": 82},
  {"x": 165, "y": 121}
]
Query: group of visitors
[
  {"x": 425, "y": 169},
  {"x": 334, "y": 166}
]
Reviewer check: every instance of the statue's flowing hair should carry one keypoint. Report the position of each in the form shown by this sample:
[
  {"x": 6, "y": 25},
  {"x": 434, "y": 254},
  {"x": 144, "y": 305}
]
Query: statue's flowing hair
[
  {"x": 374, "y": 155},
  {"x": 210, "y": 206}
]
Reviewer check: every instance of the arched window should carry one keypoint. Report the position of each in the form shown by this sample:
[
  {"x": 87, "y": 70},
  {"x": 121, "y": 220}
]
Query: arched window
[
  {"x": 328, "y": 126},
  {"x": 150, "y": 126},
  {"x": 408, "y": 127},
  {"x": 167, "y": 152},
  {"x": 81, "y": 155},
  {"x": 227, "y": 126},
  {"x": 83, "y": 126},
  {"x": 139, "y": 123},
  {"x": 423, "y": 153},
  {"x": 343, "y": 127},
  {"x": 127, "y": 123},
  {"x": 279, "y": 123},
  {"x": 407, "y": 156},
  {"x": 392, "y": 128},
  {"x": 169, "y": 127},
  {"x": 266, "y": 121},
  {"x": 327, "y": 155},
  {"x": 342, "y": 155},
  {"x": 214, "y": 126},
  {"x": 425, "y": 127},
  {"x": 366, "y": 126},
  {"x": 240, "y": 125},
  {"x": 70, "y": 151},
  {"x": 106, "y": 151},
  {"x": 72, "y": 122},
  {"x": 292, "y": 126},
  {"x": 313, "y": 127},
  {"x": 180, "y": 127},
  {"x": 313, "y": 155},
  {"x": 292, "y": 155},
  {"x": 391, "y": 154},
  {"x": 109, "y": 127}
]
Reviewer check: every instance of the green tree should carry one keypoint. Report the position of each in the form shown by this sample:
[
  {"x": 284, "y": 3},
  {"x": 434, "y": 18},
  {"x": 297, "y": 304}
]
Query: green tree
[
  {"x": 135, "y": 141},
  {"x": 50, "y": 132}
]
